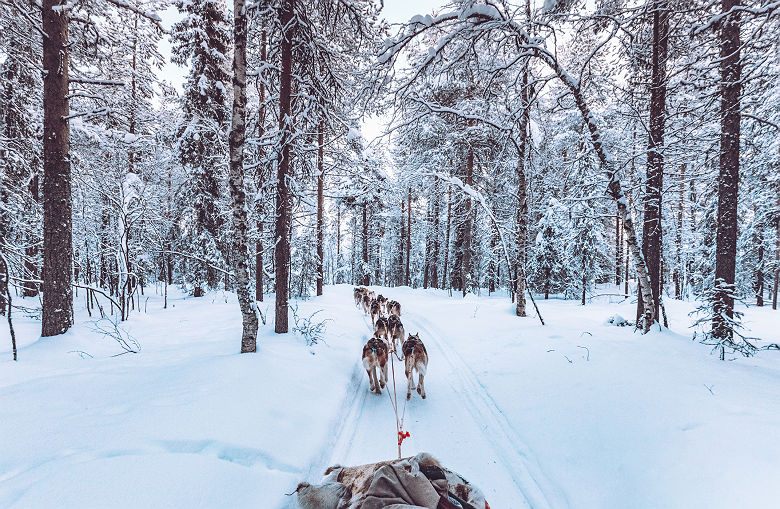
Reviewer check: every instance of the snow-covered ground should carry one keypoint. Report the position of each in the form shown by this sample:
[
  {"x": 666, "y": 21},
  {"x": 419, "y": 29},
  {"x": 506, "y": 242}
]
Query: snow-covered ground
[{"x": 576, "y": 413}]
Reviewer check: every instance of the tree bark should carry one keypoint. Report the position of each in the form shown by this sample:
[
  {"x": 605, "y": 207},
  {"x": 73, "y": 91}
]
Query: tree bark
[
  {"x": 364, "y": 270},
  {"x": 57, "y": 316},
  {"x": 240, "y": 240},
  {"x": 260, "y": 204},
  {"x": 320, "y": 203},
  {"x": 522, "y": 204},
  {"x": 402, "y": 247},
  {"x": 31, "y": 251},
  {"x": 435, "y": 249},
  {"x": 445, "y": 272},
  {"x": 283, "y": 194},
  {"x": 728, "y": 178},
  {"x": 758, "y": 273},
  {"x": 777, "y": 251},
  {"x": 467, "y": 226},
  {"x": 618, "y": 250},
  {"x": 408, "y": 236},
  {"x": 652, "y": 235},
  {"x": 679, "y": 269}
]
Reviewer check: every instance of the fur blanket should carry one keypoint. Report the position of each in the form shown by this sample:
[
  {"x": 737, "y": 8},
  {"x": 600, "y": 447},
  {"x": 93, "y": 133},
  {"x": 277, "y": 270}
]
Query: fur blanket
[{"x": 410, "y": 483}]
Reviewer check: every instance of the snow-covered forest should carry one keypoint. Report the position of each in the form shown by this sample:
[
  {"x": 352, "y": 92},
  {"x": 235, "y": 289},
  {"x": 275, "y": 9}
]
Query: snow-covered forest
[{"x": 574, "y": 203}]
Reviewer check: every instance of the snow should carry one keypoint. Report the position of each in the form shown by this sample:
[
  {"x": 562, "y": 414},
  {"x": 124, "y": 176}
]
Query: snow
[{"x": 578, "y": 413}]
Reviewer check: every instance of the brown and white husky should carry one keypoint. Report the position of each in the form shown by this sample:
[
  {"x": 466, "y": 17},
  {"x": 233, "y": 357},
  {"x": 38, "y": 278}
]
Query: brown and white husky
[
  {"x": 375, "y": 356},
  {"x": 376, "y": 311},
  {"x": 416, "y": 358},
  {"x": 366, "y": 303},
  {"x": 359, "y": 292},
  {"x": 394, "y": 308},
  {"x": 382, "y": 302},
  {"x": 382, "y": 329},
  {"x": 395, "y": 331}
]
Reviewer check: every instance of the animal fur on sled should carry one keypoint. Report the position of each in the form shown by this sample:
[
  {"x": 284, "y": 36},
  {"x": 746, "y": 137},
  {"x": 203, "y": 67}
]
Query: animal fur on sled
[{"x": 361, "y": 487}]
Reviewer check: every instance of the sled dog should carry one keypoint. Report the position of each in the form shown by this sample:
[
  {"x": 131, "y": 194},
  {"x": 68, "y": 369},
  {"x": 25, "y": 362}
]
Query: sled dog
[
  {"x": 381, "y": 329},
  {"x": 376, "y": 311},
  {"x": 416, "y": 358},
  {"x": 375, "y": 357},
  {"x": 395, "y": 331},
  {"x": 366, "y": 303},
  {"x": 394, "y": 308}
]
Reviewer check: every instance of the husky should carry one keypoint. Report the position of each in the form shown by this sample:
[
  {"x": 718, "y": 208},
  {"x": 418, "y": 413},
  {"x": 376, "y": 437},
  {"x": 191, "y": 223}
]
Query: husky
[
  {"x": 381, "y": 329},
  {"x": 349, "y": 487},
  {"x": 376, "y": 311},
  {"x": 382, "y": 302},
  {"x": 416, "y": 358},
  {"x": 395, "y": 331},
  {"x": 371, "y": 293},
  {"x": 375, "y": 356},
  {"x": 394, "y": 308},
  {"x": 366, "y": 303},
  {"x": 359, "y": 291}
]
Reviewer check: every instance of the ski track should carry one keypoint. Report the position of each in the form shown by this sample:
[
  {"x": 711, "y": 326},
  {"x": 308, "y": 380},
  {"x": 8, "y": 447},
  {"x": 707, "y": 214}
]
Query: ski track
[
  {"x": 366, "y": 423},
  {"x": 527, "y": 475}
]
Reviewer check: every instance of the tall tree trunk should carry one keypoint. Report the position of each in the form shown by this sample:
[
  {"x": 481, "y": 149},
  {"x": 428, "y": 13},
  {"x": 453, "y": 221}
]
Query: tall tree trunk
[
  {"x": 758, "y": 273},
  {"x": 679, "y": 269},
  {"x": 777, "y": 251},
  {"x": 283, "y": 194},
  {"x": 618, "y": 249},
  {"x": 320, "y": 203},
  {"x": 408, "y": 236},
  {"x": 260, "y": 203},
  {"x": 522, "y": 205},
  {"x": 446, "y": 271},
  {"x": 465, "y": 268},
  {"x": 240, "y": 241},
  {"x": 402, "y": 246},
  {"x": 728, "y": 178},
  {"x": 365, "y": 268},
  {"x": 435, "y": 248},
  {"x": 652, "y": 236},
  {"x": 57, "y": 316},
  {"x": 31, "y": 251}
]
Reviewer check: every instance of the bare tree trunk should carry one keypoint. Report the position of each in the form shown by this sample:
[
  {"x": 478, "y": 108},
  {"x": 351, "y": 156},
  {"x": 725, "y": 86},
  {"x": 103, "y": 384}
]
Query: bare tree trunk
[
  {"x": 408, "y": 236},
  {"x": 728, "y": 178},
  {"x": 366, "y": 273},
  {"x": 679, "y": 268},
  {"x": 260, "y": 203},
  {"x": 402, "y": 246},
  {"x": 240, "y": 240},
  {"x": 758, "y": 273},
  {"x": 57, "y": 315},
  {"x": 320, "y": 203},
  {"x": 466, "y": 227},
  {"x": 777, "y": 252},
  {"x": 445, "y": 273},
  {"x": 435, "y": 249},
  {"x": 522, "y": 204},
  {"x": 31, "y": 251},
  {"x": 283, "y": 194},
  {"x": 652, "y": 235},
  {"x": 618, "y": 250}
]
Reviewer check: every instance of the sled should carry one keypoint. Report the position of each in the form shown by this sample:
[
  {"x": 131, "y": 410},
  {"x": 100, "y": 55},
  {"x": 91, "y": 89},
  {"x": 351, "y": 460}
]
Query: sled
[{"x": 416, "y": 482}]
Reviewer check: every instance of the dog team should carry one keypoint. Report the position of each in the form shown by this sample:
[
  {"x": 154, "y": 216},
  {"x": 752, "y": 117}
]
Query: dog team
[{"x": 388, "y": 334}]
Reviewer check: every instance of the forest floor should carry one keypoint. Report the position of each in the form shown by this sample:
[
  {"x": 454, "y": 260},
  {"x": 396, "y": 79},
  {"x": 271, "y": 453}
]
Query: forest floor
[{"x": 577, "y": 413}]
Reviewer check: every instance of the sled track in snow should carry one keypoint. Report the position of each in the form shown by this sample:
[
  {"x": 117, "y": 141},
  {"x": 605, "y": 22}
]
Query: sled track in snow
[{"x": 524, "y": 470}]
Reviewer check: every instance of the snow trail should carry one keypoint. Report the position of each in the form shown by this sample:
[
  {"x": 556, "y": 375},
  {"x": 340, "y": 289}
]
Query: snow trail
[{"x": 459, "y": 423}]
